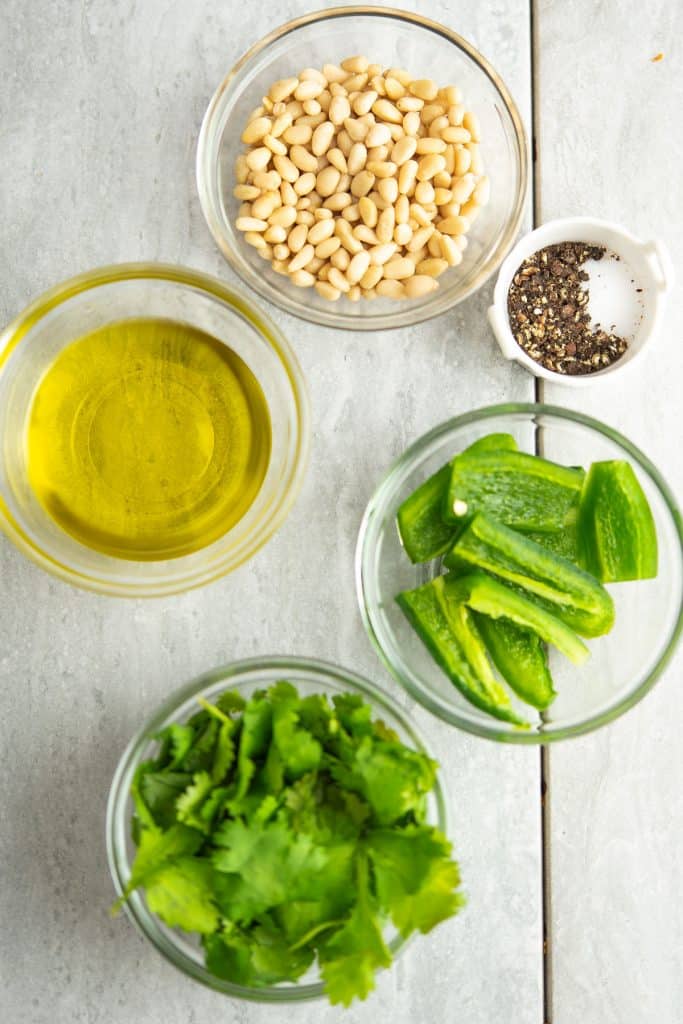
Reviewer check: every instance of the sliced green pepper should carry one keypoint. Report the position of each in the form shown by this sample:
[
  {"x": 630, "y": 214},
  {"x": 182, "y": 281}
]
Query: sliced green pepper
[
  {"x": 421, "y": 526},
  {"x": 567, "y": 591},
  {"x": 492, "y": 443},
  {"x": 520, "y": 657},
  {"x": 487, "y": 595},
  {"x": 423, "y": 532},
  {"x": 617, "y": 535},
  {"x": 449, "y": 633},
  {"x": 564, "y": 542},
  {"x": 522, "y": 491}
]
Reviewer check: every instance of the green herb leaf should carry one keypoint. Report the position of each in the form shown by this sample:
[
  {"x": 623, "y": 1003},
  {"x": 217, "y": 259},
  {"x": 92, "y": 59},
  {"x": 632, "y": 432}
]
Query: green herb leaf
[
  {"x": 415, "y": 879},
  {"x": 316, "y": 715},
  {"x": 260, "y": 957},
  {"x": 160, "y": 790},
  {"x": 182, "y": 895},
  {"x": 254, "y": 739},
  {"x": 273, "y": 773},
  {"x": 351, "y": 956},
  {"x": 230, "y": 701},
  {"x": 189, "y": 803},
  {"x": 143, "y": 815},
  {"x": 200, "y": 756},
  {"x": 299, "y": 750},
  {"x": 158, "y": 849},
  {"x": 262, "y": 865},
  {"x": 354, "y": 714},
  {"x": 224, "y": 754},
  {"x": 176, "y": 741},
  {"x": 390, "y": 777}
]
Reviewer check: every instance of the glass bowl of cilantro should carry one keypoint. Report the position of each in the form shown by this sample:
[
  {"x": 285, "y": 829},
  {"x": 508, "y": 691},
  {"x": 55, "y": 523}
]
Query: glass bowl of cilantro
[{"x": 277, "y": 830}]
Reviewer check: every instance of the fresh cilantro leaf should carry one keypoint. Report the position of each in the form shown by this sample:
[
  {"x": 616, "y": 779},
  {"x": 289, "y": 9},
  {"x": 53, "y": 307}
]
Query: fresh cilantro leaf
[
  {"x": 392, "y": 778},
  {"x": 224, "y": 754},
  {"x": 261, "y": 865},
  {"x": 353, "y": 713},
  {"x": 327, "y": 878},
  {"x": 271, "y": 865},
  {"x": 415, "y": 879},
  {"x": 189, "y": 803},
  {"x": 355, "y": 951},
  {"x": 273, "y": 772},
  {"x": 200, "y": 755},
  {"x": 273, "y": 960},
  {"x": 303, "y": 799},
  {"x": 299, "y": 750},
  {"x": 176, "y": 740},
  {"x": 182, "y": 895},
  {"x": 382, "y": 731},
  {"x": 241, "y": 846},
  {"x": 229, "y": 957},
  {"x": 160, "y": 790},
  {"x": 356, "y": 809},
  {"x": 143, "y": 816},
  {"x": 254, "y": 739},
  {"x": 317, "y": 717},
  {"x": 323, "y": 810},
  {"x": 245, "y": 808},
  {"x": 230, "y": 701},
  {"x": 157, "y": 849},
  {"x": 265, "y": 810},
  {"x": 259, "y": 957},
  {"x": 283, "y": 693},
  {"x": 214, "y": 804}
]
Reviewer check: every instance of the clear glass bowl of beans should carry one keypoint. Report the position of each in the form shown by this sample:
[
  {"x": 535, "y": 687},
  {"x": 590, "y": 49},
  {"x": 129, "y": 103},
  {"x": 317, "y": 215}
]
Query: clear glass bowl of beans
[{"x": 363, "y": 168}]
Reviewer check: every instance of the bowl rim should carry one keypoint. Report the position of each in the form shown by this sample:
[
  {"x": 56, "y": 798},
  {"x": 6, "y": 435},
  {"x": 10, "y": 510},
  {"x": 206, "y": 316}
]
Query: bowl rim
[
  {"x": 406, "y": 315},
  {"x": 243, "y": 671},
  {"x": 410, "y": 681},
  {"x": 18, "y": 328}
]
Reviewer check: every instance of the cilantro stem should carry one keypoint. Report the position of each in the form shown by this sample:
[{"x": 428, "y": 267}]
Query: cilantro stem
[
  {"x": 213, "y": 710},
  {"x": 314, "y": 931}
]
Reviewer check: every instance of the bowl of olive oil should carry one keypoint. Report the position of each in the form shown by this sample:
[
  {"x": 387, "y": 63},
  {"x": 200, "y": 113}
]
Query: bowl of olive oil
[{"x": 154, "y": 430}]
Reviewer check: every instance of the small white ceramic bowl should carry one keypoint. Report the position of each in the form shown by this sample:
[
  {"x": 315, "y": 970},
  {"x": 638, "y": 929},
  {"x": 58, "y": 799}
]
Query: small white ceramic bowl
[{"x": 651, "y": 272}]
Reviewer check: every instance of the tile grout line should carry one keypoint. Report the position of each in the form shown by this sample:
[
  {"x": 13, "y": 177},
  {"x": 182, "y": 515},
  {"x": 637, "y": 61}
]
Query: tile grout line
[
  {"x": 546, "y": 886},
  {"x": 544, "y": 758}
]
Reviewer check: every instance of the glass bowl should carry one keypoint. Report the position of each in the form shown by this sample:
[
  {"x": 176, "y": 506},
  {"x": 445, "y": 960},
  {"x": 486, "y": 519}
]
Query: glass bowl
[
  {"x": 393, "y": 38},
  {"x": 31, "y": 343},
  {"x": 310, "y": 677},
  {"x": 623, "y": 665}
]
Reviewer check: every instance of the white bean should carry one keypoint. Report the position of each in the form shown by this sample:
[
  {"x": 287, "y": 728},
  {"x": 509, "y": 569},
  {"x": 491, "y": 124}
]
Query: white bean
[
  {"x": 322, "y": 138},
  {"x": 302, "y": 258},
  {"x": 419, "y": 285},
  {"x": 250, "y": 224}
]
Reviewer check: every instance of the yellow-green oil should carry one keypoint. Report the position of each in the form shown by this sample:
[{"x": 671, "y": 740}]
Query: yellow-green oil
[{"x": 147, "y": 439}]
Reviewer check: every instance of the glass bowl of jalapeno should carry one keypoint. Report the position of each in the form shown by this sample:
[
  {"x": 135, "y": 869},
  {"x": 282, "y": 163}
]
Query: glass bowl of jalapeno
[{"x": 520, "y": 572}]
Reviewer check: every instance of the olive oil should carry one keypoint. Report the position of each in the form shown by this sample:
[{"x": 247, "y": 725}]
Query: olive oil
[{"x": 147, "y": 439}]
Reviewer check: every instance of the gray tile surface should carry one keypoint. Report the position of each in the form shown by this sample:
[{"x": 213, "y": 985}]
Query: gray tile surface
[
  {"x": 100, "y": 107},
  {"x": 611, "y": 142}
]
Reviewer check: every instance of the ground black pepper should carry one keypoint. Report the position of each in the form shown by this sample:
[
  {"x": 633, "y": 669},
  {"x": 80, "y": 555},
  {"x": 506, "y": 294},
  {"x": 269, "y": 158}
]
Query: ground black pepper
[{"x": 548, "y": 311}]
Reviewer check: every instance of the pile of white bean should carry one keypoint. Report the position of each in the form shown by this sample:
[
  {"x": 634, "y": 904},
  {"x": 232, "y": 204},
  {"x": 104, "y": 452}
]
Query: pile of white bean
[{"x": 360, "y": 181}]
